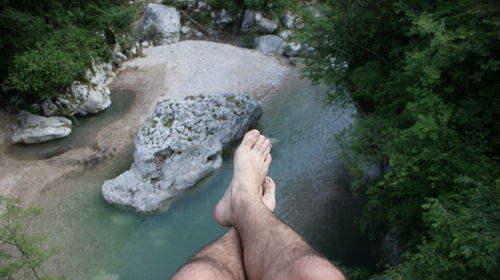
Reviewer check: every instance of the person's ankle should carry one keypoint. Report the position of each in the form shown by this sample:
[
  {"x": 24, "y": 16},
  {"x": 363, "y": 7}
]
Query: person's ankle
[{"x": 245, "y": 203}]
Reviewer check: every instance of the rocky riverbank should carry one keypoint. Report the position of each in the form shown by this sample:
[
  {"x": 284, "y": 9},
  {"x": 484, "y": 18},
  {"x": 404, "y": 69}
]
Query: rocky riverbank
[{"x": 170, "y": 71}]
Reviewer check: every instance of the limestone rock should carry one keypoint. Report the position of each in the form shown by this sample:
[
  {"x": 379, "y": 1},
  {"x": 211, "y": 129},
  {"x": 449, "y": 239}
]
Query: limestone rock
[
  {"x": 181, "y": 144},
  {"x": 289, "y": 19},
  {"x": 270, "y": 45},
  {"x": 285, "y": 34},
  {"x": 266, "y": 26},
  {"x": 222, "y": 18},
  {"x": 292, "y": 49},
  {"x": 166, "y": 19},
  {"x": 185, "y": 29},
  {"x": 119, "y": 58},
  {"x": 89, "y": 97},
  {"x": 135, "y": 49},
  {"x": 35, "y": 128},
  {"x": 49, "y": 108},
  {"x": 247, "y": 21}
]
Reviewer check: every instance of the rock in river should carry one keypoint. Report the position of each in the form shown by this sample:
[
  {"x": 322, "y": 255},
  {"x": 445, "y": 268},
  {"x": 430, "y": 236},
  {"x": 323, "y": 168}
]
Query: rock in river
[
  {"x": 35, "y": 128},
  {"x": 181, "y": 145}
]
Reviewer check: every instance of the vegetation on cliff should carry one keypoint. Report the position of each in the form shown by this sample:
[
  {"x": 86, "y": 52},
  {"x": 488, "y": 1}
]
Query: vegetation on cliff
[
  {"x": 425, "y": 78},
  {"x": 46, "y": 45}
]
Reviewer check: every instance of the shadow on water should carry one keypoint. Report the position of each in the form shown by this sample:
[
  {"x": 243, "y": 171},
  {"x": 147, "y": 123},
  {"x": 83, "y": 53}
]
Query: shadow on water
[
  {"x": 98, "y": 241},
  {"x": 82, "y": 133}
]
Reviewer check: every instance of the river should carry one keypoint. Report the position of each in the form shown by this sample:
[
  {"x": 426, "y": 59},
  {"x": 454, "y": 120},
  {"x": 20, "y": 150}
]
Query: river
[{"x": 98, "y": 241}]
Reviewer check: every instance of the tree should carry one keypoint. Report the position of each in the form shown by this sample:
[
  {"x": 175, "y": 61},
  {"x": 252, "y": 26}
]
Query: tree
[{"x": 21, "y": 254}]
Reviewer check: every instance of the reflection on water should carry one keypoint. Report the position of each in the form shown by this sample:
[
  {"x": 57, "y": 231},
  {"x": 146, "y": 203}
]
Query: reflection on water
[
  {"x": 98, "y": 241},
  {"x": 82, "y": 132}
]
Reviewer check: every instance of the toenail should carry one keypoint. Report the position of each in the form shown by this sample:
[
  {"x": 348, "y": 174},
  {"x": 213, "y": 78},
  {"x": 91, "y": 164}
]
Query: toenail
[
  {"x": 268, "y": 180},
  {"x": 254, "y": 133}
]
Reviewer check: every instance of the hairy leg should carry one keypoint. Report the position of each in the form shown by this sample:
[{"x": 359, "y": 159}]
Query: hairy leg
[
  {"x": 222, "y": 259},
  {"x": 271, "y": 249},
  {"x": 219, "y": 260}
]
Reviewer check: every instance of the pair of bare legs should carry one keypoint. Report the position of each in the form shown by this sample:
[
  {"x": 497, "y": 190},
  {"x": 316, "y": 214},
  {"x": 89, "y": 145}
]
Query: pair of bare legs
[{"x": 257, "y": 245}]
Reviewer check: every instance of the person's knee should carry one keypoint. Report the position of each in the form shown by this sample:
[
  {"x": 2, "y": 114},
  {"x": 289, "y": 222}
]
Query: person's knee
[{"x": 312, "y": 267}]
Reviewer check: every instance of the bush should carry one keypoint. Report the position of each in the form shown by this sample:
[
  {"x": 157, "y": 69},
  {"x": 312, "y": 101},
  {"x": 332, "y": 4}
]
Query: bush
[
  {"x": 44, "y": 71},
  {"x": 49, "y": 68}
]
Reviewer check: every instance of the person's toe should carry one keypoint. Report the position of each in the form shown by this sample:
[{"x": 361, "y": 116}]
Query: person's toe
[
  {"x": 269, "y": 196},
  {"x": 266, "y": 148},
  {"x": 250, "y": 138},
  {"x": 268, "y": 159},
  {"x": 258, "y": 145}
]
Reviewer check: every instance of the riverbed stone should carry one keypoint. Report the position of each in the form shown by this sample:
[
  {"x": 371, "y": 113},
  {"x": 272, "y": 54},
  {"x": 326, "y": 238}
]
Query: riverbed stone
[
  {"x": 166, "y": 19},
  {"x": 270, "y": 45},
  {"x": 35, "y": 128},
  {"x": 91, "y": 96},
  {"x": 180, "y": 145}
]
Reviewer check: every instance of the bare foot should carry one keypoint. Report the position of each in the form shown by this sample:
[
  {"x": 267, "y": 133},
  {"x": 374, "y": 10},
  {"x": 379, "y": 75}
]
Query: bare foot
[{"x": 251, "y": 163}]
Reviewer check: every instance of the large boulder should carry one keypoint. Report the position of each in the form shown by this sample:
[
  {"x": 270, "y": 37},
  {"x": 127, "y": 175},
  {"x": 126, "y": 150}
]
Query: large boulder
[
  {"x": 181, "y": 144},
  {"x": 35, "y": 128},
  {"x": 166, "y": 19},
  {"x": 271, "y": 45},
  {"x": 88, "y": 97}
]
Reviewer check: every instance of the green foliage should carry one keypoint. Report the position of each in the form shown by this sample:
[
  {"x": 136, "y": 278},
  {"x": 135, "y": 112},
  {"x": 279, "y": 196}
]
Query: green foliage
[
  {"x": 424, "y": 77},
  {"x": 47, "y": 69},
  {"x": 47, "y": 44},
  {"x": 463, "y": 236},
  {"x": 21, "y": 254},
  {"x": 44, "y": 71}
]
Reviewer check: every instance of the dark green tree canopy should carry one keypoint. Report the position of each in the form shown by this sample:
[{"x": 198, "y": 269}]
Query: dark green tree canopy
[
  {"x": 45, "y": 45},
  {"x": 425, "y": 78}
]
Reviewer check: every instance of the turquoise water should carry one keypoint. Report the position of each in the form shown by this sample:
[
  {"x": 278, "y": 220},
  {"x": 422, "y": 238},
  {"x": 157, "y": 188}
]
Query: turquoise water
[{"x": 98, "y": 241}]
